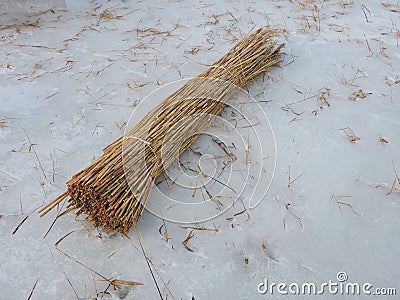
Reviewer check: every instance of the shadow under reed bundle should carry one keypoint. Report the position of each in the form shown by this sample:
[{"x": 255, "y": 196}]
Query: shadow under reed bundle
[{"x": 113, "y": 190}]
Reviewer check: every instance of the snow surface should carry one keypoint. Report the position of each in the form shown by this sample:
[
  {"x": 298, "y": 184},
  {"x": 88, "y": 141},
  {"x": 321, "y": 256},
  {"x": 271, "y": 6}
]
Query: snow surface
[{"x": 63, "y": 101}]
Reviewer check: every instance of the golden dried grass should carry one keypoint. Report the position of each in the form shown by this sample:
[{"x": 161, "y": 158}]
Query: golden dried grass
[{"x": 113, "y": 190}]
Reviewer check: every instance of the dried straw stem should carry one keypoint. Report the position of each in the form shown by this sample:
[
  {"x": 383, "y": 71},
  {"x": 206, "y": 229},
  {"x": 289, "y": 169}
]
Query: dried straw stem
[{"x": 113, "y": 190}]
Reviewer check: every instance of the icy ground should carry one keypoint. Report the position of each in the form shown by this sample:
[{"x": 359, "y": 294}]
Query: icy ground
[{"x": 70, "y": 80}]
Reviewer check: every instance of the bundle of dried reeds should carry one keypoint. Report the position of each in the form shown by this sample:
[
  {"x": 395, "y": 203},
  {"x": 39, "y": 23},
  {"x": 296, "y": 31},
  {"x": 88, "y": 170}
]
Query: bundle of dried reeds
[{"x": 113, "y": 190}]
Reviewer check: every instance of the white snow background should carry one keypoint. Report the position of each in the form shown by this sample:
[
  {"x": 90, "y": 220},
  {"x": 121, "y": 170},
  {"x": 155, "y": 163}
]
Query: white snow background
[{"x": 71, "y": 76}]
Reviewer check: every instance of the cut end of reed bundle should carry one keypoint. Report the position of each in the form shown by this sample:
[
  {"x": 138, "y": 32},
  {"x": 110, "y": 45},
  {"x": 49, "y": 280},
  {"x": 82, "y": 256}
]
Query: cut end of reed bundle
[{"x": 113, "y": 190}]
